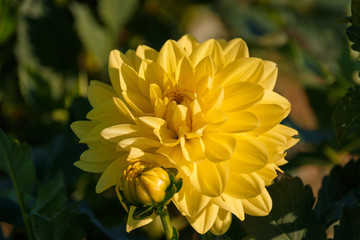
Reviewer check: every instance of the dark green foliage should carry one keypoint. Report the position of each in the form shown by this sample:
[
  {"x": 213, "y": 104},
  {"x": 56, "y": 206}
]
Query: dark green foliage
[
  {"x": 341, "y": 188},
  {"x": 346, "y": 117},
  {"x": 291, "y": 216},
  {"x": 349, "y": 228}
]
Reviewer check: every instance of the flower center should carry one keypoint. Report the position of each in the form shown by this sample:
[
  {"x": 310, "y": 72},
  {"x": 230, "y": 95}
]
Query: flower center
[{"x": 177, "y": 97}]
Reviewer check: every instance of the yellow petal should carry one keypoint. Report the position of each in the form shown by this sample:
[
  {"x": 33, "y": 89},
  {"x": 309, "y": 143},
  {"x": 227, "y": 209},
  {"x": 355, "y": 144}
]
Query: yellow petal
[
  {"x": 218, "y": 146},
  {"x": 94, "y": 167},
  {"x": 169, "y": 56},
  {"x": 176, "y": 116},
  {"x": 233, "y": 205},
  {"x": 99, "y": 92},
  {"x": 235, "y": 49},
  {"x": 118, "y": 132},
  {"x": 145, "y": 52},
  {"x": 240, "y": 121},
  {"x": 210, "y": 178},
  {"x": 258, "y": 206},
  {"x": 188, "y": 43},
  {"x": 204, "y": 220},
  {"x": 139, "y": 142},
  {"x": 188, "y": 200},
  {"x": 241, "y": 70},
  {"x": 244, "y": 185},
  {"x": 270, "y": 75},
  {"x": 133, "y": 223},
  {"x": 115, "y": 62},
  {"x": 82, "y": 128},
  {"x": 103, "y": 153},
  {"x": 193, "y": 149},
  {"x": 93, "y": 138},
  {"x": 241, "y": 95},
  {"x": 268, "y": 173},
  {"x": 205, "y": 68},
  {"x": 210, "y": 48},
  {"x": 138, "y": 102},
  {"x": 222, "y": 222},
  {"x": 105, "y": 111},
  {"x": 112, "y": 174},
  {"x": 250, "y": 155},
  {"x": 215, "y": 116},
  {"x": 185, "y": 75}
]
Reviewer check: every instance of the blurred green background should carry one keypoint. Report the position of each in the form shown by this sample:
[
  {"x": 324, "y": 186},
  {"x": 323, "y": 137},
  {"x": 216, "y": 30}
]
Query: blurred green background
[{"x": 51, "y": 49}]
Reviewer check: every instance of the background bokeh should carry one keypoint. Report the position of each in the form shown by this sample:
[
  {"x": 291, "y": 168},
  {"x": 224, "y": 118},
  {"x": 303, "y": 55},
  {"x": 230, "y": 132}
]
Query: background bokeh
[{"x": 51, "y": 49}]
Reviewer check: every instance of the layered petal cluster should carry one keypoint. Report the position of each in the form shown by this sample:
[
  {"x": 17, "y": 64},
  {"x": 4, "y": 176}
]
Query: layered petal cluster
[{"x": 206, "y": 109}]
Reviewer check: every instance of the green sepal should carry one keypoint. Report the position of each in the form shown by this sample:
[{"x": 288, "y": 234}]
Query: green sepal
[
  {"x": 175, "y": 235},
  {"x": 143, "y": 212},
  {"x": 178, "y": 184}
]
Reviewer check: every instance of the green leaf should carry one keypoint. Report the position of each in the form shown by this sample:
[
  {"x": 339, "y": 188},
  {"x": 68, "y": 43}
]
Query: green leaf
[
  {"x": 346, "y": 118},
  {"x": 353, "y": 32},
  {"x": 51, "y": 197},
  {"x": 96, "y": 39},
  {"x": 290, "y": 217},
  {"x": 341, "y": 188},
  {"x": 59, "y": 227},
  {"x": 143, "y": 212},
  {"x": 349, "y": 227},
  {"x": 16, "y": 162},
  {"x": 115, "y": 13}
]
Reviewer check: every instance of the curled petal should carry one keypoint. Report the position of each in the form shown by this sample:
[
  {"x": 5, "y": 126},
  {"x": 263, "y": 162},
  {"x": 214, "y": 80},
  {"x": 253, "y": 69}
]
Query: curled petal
[
  {"x": 244, "y": 185},
  {"x": 205, "y": 219},
  {"x": 102, "y": 153},
  {"x": 169, "y": 56},
  {"x": 235, "y": 49},
  {"x": 218, "y": 146},
  {"x": 240, "y": 121},
  {"x": 99, "y": 92},
  {"x": 233, "y": 205},
  {"x": 94, "y": 167},
  {"x": 258, "y": 206},
  {"x": 210, "y": 48},
  {"x": 82, "y": 128},
  {"x": 270, "y": 75},
  {"x": 222, "y": 222},
  {"x": 112, "y": 174},
  {"x": 210, "y": 178},
  {"x": 133, "y": 223},
  {"x": 145, "y": 52},
  {"x": 188, "y": 43}
]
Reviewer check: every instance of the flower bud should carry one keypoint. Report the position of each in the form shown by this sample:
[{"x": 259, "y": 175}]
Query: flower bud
[{"x": 144, "y": 184}]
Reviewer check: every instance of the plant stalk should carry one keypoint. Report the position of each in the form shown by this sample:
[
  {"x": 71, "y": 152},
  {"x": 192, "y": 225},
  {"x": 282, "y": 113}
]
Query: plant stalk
[{"x": 168, "y": 229}]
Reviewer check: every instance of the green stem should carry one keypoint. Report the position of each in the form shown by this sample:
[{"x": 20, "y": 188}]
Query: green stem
[
  {"x": 21, "y": 202},
  {"x": 168, "y": 229}
]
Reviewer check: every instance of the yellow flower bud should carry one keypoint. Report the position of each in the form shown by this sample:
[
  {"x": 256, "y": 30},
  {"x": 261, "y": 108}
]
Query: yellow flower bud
[{"x": 144, "y": 184}]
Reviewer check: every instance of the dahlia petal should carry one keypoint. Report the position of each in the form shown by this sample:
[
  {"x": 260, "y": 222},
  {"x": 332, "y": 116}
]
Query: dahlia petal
[
  {"x": 139, "y": 142},
  {"x": 137, "y": 102},
  {"x": 132, "y": 59},
  {"x": 230, "y": 204},
  {"x": 169, "y": 56},
  {"x": 152, "y": 72},
  {"x": 205, "y": 68},
  {"x": 134, "y": 223},
  {"x": 215, "y": 116},
  {"x": 218, "y": 146},
  {"x": 271, "y": 97},
  {"x": 146, "y": 52},
  {"x": 204, "y": 220},
  {"x": 176, "y": 116},
  {"x": 93, "y": 138},
  {"x": 105, "y": 111},
  {"x": 99, "y": 92},
  {"x": 267, "y": 173},
  {"x": 270, "y": 75},
  {"x": 93, "y": 167},
  {"x": 222, "y": 222},
  {"x": 244, "y": 185},
  {"x": 188, "y": 200},
  {"x": 241, "y": 70},
  {"x": 103, "y": 153},
  {"x": 213, "y": 100},
  {"x": 112, "y": 174},
  {"x": 240, "y": 121},
  {"x": 210, "y": 178},
  {"x": 150, "y": 123},
  {"x": 241, "y": 95},
  {"x": 118, "y": 132},
  {"x": 235, "y": 49},
  {"x": 210, "y": 48},
  {"x": 188, "y": 43},
  {"x": 250, "y": 155},
  {"x": 82, "y": 128},
  {"x": 258, "y": 206},
  {"x": 115, "y": 62},
  {"x": 193, "y": 149},
  {"x": 269, "y": 116},
  {"x": 124, "y": 110},
  {"x": 184, "y": 75}
]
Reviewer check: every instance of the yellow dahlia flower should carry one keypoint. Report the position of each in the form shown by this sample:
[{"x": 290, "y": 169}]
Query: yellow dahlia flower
[{"x": 206, "y": 109}]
